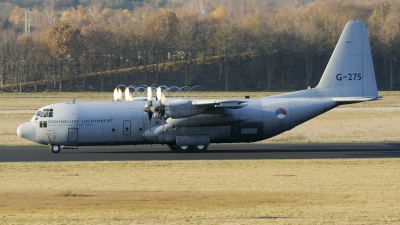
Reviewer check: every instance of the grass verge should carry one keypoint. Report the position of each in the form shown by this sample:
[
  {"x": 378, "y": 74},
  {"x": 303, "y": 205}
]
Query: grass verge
[{"x": 359, "y": 191}]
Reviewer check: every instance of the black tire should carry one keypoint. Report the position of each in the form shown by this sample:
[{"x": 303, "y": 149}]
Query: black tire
[
  {"x": 200, "y": 148},
  {"x": 183, "y": 148},
  {"x": 55, "y": 148}
]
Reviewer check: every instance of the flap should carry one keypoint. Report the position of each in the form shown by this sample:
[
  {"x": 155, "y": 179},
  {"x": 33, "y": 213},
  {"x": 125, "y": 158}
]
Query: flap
[{"x": 221, "y": 103}]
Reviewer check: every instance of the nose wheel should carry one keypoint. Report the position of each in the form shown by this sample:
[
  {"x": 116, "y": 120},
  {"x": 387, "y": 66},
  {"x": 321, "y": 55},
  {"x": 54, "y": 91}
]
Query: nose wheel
[{"x": 55, "y": 148}]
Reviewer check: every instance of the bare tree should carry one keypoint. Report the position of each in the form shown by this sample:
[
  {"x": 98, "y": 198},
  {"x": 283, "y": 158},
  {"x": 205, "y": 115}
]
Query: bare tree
[
  {"x": 200, "y": 7},
  {"x": 94, "y": 9},
  {"x": 48, "y": 6}
]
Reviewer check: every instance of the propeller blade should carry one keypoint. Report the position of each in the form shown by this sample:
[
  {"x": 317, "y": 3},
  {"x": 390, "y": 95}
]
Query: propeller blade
[
  {"x": 150, "y": 114},
  {"x": 115, "y": 94},
  {"x": 119, "y": 94},
  {"x": 127, "y": 94},
  {"x": 149, "y": 94},
  {"x": 149, "y": 108},
  {"x": 163, "y": 99},
  {"x": 159, "y": 93}
]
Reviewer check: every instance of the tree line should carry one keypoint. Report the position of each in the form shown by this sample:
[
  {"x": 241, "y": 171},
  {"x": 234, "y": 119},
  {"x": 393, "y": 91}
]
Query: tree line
[{"x": 258, "y": 45}]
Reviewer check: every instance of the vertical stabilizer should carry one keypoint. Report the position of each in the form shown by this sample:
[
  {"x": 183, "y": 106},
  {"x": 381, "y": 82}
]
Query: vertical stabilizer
[{"x": 350, "y": 71}]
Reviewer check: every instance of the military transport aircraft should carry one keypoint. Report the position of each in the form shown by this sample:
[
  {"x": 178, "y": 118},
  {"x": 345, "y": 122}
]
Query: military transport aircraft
[{"x": 189, "y": 124}]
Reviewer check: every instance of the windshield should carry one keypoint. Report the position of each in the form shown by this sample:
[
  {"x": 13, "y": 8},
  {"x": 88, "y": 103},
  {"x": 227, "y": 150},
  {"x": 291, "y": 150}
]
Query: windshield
[{"x": 44, "y": 113}]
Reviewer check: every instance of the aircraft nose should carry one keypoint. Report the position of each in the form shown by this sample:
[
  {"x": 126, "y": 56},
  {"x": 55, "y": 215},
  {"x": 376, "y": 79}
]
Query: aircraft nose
[{"x": 27, "y": 131}]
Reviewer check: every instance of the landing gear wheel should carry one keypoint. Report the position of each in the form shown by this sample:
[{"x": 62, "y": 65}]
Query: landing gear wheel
[
  {"x": 55, "y": 148},
  {"x": 200, "y": 148},
  {"x": 183, "y": 148}
]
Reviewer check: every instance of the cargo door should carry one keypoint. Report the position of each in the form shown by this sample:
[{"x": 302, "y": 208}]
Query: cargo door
[{"x": 72, "y": 134}]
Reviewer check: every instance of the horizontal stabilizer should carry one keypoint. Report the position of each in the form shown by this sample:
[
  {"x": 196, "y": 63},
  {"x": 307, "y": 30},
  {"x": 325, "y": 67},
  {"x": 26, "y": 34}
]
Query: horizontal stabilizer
[{"x": 352, "y": 99}]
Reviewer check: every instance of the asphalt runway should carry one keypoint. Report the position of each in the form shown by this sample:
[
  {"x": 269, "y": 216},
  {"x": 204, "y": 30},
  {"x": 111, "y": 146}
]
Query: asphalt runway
[{"x": 214, "y": 152}]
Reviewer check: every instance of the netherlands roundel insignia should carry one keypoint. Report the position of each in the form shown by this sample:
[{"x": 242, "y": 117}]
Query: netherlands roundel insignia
[{"x": 280, "y": 113}]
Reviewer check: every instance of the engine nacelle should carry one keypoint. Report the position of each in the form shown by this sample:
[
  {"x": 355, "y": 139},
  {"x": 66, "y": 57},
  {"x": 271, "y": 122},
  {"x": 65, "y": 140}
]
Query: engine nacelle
[{"x": 182, "y": 109}]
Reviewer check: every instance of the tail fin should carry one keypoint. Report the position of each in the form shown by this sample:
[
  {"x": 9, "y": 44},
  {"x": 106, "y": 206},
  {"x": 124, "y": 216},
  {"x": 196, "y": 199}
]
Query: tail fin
[{"x": 350, "y": 74}]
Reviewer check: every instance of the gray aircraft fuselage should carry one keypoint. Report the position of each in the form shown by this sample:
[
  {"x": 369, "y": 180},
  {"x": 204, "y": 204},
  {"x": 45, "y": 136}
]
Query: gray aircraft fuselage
[{"x": 124, "y": 123}]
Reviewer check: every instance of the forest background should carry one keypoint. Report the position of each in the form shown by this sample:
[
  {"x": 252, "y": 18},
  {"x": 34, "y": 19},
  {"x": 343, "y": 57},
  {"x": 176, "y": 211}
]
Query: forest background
[{"x": 257, "y": 45}]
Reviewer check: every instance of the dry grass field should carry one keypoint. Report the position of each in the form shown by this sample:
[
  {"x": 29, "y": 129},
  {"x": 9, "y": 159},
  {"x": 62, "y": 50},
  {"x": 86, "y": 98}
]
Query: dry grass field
[{"x": 358, "y": 191}]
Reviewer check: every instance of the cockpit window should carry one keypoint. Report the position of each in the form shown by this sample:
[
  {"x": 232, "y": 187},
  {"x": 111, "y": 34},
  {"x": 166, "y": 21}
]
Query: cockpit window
[
  {"x": 45, "y": 113},
  {"x": 43, "y": 124}
]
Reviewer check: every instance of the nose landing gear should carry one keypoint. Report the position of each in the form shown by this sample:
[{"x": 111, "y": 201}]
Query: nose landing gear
[{"x": 55, "y": 148}]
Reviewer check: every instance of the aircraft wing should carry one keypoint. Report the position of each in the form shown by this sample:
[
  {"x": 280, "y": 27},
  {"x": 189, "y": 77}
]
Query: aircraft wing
[{"x": 229, "y": 103}]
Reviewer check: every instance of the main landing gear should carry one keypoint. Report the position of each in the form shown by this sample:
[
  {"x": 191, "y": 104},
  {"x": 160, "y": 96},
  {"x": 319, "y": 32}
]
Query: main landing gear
[
  {"x": 55, "y": 148},
  {"x": 187, "y": 148}
]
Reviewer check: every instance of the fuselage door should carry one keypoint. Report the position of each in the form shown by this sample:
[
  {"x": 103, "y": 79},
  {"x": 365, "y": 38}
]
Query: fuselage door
[
  {"x": 72, "y": 134},
  {"x": 127, "y": 127}
]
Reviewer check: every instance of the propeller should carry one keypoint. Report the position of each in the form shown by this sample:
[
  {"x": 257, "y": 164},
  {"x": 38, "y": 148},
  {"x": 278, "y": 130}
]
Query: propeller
[
  {"x": 157, "y": 111},
  {"x": 161, "y": 106},
  {"x": 161, "y": 102},
  {"x": 117, "y": 94},
  {"x": 128, "y": 95},
  {"x": 149, "y": 108}
]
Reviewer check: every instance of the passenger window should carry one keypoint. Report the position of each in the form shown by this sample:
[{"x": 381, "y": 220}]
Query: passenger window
[{"x": 51, "y": 113}]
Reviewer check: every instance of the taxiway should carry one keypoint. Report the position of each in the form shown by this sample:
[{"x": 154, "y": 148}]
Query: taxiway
[{"x": 214, "y": 152}]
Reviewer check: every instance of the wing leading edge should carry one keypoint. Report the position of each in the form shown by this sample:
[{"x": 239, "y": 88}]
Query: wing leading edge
[{"x": 229, "y": 103}]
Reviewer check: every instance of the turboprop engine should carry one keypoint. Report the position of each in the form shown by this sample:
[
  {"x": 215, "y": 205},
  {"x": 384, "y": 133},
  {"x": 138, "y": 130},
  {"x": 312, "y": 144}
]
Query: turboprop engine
[{"x": 182, "y": 108}]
